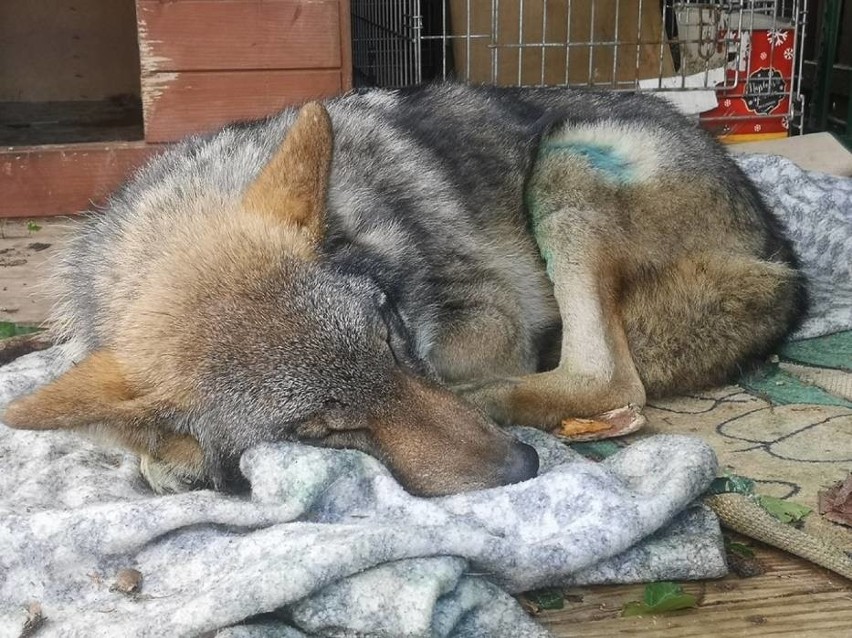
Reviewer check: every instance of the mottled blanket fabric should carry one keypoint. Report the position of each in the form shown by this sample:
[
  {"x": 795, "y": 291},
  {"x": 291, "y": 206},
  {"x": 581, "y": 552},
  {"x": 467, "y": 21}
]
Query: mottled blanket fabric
[
  {"x": 817, "y": 210},
  {"x": 327, "y": 543}
]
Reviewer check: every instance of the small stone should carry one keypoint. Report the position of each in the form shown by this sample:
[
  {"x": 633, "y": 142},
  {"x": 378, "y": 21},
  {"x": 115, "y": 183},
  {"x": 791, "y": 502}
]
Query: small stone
[{"x": 127, "y": 581}]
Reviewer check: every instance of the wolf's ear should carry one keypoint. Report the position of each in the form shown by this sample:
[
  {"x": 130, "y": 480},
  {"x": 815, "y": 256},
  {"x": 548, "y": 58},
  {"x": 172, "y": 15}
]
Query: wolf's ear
[
  {"x": 93, "y": 391},
  {"x": 292, "y": 187}
]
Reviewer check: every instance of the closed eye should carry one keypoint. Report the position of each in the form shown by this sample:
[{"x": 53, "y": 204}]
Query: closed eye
[{"x": 400, "y": 346}]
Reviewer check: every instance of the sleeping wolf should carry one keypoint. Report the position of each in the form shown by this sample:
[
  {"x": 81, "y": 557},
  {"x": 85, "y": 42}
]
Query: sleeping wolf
[{"x": 330, "y": 275}]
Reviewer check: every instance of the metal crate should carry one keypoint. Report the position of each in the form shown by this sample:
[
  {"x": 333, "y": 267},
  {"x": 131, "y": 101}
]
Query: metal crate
[{"x": 673, "y": 47}]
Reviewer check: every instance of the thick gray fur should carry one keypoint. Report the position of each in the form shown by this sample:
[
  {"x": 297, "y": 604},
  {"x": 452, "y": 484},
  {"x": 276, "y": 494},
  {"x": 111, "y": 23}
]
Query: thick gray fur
[{"x": 419, "y": 180}]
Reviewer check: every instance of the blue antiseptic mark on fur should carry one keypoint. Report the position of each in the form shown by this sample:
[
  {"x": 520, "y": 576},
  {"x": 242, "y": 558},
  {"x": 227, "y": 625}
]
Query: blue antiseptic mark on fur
[{"x": 601, "y": 157}]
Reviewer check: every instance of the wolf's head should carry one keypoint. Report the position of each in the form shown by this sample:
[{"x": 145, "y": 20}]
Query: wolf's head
[{"x": 242, "y": 332}]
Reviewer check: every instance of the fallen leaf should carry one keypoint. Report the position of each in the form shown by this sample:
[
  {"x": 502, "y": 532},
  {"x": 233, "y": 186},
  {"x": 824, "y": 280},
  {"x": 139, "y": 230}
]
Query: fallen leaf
[
  {"x": 844, "y": 491},
  {"x": 731, "y": 483},
  {"x": 8, "y": 329},
  {"x": 546, "y": 598},
  {"x": 739, "y": 549},
  {"x": 784, "y": 511},
  {"x": 660, "y": 598},
  {"x": 835, "y": 503}
]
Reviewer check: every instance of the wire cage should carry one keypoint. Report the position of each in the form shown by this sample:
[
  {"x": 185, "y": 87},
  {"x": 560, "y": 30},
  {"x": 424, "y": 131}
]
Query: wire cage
[{"x": 736, "y": 63}]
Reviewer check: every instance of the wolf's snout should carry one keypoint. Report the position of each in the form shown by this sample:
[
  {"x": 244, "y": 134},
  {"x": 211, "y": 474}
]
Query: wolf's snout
[{"x": 521, "y": 465}]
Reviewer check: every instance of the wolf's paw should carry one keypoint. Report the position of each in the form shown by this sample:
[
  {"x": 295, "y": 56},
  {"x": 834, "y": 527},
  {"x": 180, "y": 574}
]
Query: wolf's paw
[
  {"x": 166, "y": 478},
  {"x": 613, "y": 423}
]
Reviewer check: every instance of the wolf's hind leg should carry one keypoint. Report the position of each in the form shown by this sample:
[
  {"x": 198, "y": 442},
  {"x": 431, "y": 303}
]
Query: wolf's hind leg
[{"x": 695, "y": 323}]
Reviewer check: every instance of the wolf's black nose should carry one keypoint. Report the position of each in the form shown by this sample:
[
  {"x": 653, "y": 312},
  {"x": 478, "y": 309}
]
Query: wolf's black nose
[{"x": 521, "y": 465}]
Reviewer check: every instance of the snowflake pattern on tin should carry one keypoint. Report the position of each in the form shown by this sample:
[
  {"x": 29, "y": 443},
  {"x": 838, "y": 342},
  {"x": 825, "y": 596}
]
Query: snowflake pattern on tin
[
  {"x": 788, "y": 53},
  {"x": 757, "y": 128},
  {"x": 785, "y": 122},
  {"x": 763, "y": 55},
  {"x": 776, "y": 36},
  {"x": 727, "y": 102}
]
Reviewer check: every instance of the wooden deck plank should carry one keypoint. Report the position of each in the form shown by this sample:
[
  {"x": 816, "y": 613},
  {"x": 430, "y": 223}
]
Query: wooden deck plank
[
  {"x": 25, "y": 257},
  {"x": 793, "y": 598}
]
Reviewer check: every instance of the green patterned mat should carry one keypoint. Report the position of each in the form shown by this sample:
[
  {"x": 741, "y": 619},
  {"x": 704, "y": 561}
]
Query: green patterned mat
[
  {"x": 831, "y": 351},
  {"x": 783, "y": 388}
]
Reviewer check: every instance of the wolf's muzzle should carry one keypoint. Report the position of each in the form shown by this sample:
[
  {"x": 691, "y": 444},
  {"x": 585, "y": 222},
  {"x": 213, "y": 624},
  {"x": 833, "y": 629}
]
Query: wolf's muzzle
[{"x": 521, "y": 465}]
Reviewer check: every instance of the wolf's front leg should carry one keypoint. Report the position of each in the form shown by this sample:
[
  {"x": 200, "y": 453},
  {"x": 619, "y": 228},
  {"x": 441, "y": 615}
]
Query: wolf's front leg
[{"x": 596, "y": 377}]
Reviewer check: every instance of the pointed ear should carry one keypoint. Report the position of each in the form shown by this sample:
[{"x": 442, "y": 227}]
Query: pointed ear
[
  {"x": 93, "y": 391},
  {"x": 292, "y": 187}
]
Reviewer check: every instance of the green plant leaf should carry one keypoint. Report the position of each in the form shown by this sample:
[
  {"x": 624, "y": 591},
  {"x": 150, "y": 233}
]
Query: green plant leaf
[
  {"x": 731, "y": 483},
  {"x": 784, "y": 511},
  {"x": 33, "y": 227},
  {"x": 660, "y": 598},
  {"x": 9, "y": 329},
  {"x": 739, "y": 549},
  {"x": 546, "y": 598},
  {"x": 635, "y": 608}
]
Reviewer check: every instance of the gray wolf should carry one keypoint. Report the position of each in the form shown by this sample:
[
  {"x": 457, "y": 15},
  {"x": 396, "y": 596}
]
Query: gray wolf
[{"x": 400, "y": 271}]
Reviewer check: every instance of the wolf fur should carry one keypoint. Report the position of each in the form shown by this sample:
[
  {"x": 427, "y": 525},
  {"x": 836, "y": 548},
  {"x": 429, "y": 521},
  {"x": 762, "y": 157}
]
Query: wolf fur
[{"x": 328, "y": 274}]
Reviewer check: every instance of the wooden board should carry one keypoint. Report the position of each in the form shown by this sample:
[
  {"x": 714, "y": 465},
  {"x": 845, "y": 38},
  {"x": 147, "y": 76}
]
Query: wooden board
[
  {"x": 227, "y": 35},
  {"x": 183, "y": 103},
  {"x": 62, "y": 179},
  {"x": 793, "y": 598},
  {"x": 813, "y": 152},
  {"x": 209, "y": 62},
  {"x": 345, "y": 45}
]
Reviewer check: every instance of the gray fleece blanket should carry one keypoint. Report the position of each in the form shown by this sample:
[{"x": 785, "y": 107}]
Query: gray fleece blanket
[
  {"x": 817, "y": 210},
  {"x": 327, "y": 543}
]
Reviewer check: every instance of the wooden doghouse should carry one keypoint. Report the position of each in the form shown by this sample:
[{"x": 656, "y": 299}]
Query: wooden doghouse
[{"x": 89, "y": 88}]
